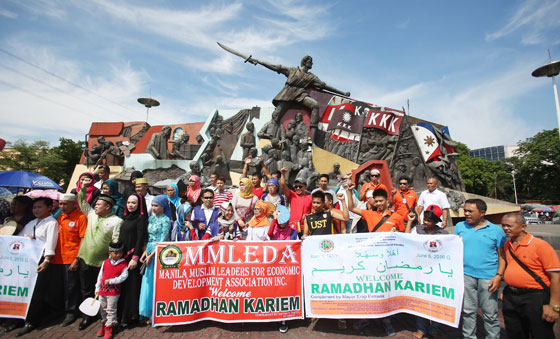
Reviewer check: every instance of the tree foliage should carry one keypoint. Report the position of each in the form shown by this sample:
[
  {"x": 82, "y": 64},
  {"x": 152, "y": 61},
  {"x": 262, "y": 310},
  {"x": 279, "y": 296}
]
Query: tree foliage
[
  {"x": 56, "y": 163},
  {"x": 537, "y": 167},
  {"x": 485, "y": 177}
]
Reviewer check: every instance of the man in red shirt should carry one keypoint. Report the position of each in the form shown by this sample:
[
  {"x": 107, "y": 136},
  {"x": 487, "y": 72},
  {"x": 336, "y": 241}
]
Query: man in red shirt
[
  {"x": 404, "y": 199},
  {"x": 373, "y": 184},
  {"x": 300, "y": 201},
  {"x": 531, "y": 302},
  {"x": 72, "y": 225}
]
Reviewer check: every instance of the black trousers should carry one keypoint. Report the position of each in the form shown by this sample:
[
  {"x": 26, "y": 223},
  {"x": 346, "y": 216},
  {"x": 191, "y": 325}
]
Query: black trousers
[
  {"x": 72, "y": 290},
  {"x": 88, "y": 278},
  {"x": 47, "y": 300},
  {"x": 522, "y": 315}
]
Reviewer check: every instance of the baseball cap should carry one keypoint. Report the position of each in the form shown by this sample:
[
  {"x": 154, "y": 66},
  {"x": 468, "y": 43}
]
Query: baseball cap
[
  {"x": 436, "y": 210},
  {"x": 375, "y": 171},
  {"x": 301, "y": 180}
]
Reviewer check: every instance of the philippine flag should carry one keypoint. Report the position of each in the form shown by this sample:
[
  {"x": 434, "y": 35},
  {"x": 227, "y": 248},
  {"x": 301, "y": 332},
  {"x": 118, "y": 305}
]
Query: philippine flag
[{"x": 427, "y": 141}]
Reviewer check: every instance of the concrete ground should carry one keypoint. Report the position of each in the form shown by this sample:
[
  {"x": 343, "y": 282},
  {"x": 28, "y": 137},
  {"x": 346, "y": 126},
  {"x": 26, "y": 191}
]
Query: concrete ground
[{"x": 404, "y": 324}]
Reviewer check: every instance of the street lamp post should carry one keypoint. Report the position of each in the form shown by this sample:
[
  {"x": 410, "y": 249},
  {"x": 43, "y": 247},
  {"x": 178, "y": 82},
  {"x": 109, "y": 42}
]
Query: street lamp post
[
  {"x": 514, "y": 188},
  {"x": 551, "y": 70}
]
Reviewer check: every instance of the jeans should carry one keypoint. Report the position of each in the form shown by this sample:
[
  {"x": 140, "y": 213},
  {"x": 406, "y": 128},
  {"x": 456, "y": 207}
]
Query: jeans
[
  {"x": 348, "y": 226},
  {"x": 427, "y": 326},
  {"x": 476, "y": 294}
]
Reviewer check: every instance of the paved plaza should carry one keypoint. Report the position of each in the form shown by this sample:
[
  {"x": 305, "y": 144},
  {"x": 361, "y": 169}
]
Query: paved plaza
[{"x": 404, "y": 324}]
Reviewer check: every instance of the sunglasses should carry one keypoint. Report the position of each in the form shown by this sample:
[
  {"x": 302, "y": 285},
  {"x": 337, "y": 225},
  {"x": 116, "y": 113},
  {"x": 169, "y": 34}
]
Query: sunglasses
[
  {"x": 403, "y": 183},
  {"x": 374, "y": 175},
  {"x": 207, "y": 198},
  {"x": 298, "y": 186}
]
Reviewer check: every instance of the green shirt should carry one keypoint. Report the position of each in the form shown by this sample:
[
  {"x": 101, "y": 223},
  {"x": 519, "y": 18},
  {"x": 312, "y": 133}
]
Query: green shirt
[{"x": 100, "y": 232}]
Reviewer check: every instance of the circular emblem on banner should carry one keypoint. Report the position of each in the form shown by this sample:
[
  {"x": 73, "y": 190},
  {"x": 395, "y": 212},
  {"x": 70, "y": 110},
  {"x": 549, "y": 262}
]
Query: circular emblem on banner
[
  {"x": 432, "y": 245},
  {"x": 170, "y": 256},
  {"x": 16, "y": 247},
  {"x": 326, "y": 245}
]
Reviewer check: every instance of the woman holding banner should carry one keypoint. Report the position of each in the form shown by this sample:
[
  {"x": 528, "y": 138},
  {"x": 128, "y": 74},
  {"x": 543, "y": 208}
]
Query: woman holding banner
[{"x": 159, "y": 227}]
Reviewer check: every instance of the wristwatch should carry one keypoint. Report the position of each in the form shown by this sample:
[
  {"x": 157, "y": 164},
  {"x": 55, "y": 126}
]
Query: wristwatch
[
  {"x": 501, "y": 275},
  {"x": 555, "y": 308}
]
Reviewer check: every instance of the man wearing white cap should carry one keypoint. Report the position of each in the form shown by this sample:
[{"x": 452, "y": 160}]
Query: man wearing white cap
[
  {"x": 72, "y": 225},
  {"x": 373, "y": 184}
]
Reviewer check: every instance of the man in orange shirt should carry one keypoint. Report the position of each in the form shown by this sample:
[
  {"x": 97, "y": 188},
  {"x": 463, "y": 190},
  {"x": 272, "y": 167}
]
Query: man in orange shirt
[
  {"x": 381, "y": 220},
  {"x": 531, "y": 301},
  {"x": 404, "y": 198},
  {"x": 373, "y": 184},
  {"x": 72, "y": 225}
]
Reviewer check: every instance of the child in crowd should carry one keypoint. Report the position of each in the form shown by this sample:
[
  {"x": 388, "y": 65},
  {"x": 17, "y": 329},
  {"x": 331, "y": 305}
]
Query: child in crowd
[
  {"x": 278, "y": 231},
  {"x": 181, "y": 230},
  {"x": 112, "y": 274}
]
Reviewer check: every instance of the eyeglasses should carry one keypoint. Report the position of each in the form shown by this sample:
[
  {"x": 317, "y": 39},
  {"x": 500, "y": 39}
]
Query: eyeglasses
[
  {"x": 298, "y": 186},
  {"x": 403, "y": 183},
  {"x": 207, "y": 198}
]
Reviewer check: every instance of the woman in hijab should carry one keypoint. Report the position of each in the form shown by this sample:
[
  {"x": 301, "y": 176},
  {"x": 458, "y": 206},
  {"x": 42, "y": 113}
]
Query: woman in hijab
[
  {"x": 174, "y": 200},
  {"x": 244, "y": 202},
  {"x": 134, "y": 235},
  {"x": 272, "y": 194},
  {"x": 159, "y": 227},
  {"x": 111, "y": 188},
  {"x": 20, "y": 211},
  {"x": 193, "y": 191},
  {"x": 259, "y": 224},
  {"x": 87, "y": 179},
  {"x": 181, "y": 230}
]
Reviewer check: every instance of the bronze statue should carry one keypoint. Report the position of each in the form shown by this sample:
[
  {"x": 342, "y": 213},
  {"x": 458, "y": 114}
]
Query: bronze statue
[
  {"x": 177, "y": 153},
  {"x": 248, "y": 140},
  {"x": 294, "y": 91},
  {"x": 272, "y": 129},
  {"x": 157, "y": 146}
]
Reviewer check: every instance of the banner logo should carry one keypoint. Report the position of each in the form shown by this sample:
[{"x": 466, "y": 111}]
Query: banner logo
[
  {"x": 326, "y": 245},
  {"x": 433, "y": 245},
  {"x": 170, "y": 256},
  {"x": 16, "y": 247}
]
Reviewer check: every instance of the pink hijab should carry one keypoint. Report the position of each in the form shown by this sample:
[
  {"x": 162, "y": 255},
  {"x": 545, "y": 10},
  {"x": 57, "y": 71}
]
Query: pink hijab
[
  {"x": 90, "y": 189},
  {"x": 193, "y": 193}
]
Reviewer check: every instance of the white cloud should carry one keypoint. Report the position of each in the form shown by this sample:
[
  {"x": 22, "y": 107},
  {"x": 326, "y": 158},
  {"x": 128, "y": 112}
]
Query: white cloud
[
  {"x": 534, "y": 19},
  {"x": 8, "y": 14}
]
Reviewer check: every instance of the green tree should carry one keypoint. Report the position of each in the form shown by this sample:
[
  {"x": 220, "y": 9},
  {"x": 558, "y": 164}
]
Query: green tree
[
  {"x": 484, "y": 177},
  {"x": 56, "y": 163},
  {"x": 537, "y": 167}
]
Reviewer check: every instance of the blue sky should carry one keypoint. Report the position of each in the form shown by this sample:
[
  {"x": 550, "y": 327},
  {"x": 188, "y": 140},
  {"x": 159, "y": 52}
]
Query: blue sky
[{"x": 465, "y": 64}]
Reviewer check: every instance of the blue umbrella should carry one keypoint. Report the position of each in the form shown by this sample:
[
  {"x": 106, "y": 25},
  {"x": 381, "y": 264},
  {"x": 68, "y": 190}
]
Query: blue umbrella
[{"x": 26, "y": 180}]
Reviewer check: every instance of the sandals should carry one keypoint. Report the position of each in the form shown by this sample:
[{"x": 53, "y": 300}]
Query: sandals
[
  {"x": 360, "y": 324},
  {"x": 342, "y": 324}
]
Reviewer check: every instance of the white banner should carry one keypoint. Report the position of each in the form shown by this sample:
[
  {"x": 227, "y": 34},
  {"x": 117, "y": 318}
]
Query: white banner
[
  {"x": 374, "y": 275},
  {"x": 19, "y": 257}
]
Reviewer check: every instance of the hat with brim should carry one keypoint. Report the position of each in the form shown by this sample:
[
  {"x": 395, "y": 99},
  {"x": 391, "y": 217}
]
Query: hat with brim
[
  {"x": 301, "y": 180},
  {"x": 436, "y": 210}
]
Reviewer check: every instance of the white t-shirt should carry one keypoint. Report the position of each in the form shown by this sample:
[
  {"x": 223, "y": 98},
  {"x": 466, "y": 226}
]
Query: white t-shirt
[{"x": 428, "y": 198}]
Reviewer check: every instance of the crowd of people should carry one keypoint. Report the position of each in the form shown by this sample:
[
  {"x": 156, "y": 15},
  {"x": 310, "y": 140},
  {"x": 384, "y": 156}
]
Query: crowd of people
[{"x": 100, "y": 242}]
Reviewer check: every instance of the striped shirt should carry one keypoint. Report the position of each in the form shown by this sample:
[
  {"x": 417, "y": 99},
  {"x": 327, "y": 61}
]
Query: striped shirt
[{"x": 220, "y": 198}]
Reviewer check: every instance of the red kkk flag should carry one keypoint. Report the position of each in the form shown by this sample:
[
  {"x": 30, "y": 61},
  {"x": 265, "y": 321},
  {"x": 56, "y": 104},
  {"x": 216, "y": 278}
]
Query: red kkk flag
[
  {"x": 427, "y": 142},
  {"x": 388, "y": 120},
  {"x": 345, "y": 120}
]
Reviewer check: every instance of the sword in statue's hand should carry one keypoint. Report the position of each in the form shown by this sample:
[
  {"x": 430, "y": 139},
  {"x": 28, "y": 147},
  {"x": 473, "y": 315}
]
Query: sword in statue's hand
[{"x": 234, "y": 52}]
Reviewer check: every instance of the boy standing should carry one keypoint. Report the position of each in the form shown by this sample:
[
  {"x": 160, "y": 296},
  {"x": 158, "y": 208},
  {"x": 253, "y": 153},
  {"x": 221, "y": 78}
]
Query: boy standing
[{"x": 108, "y": 287}]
